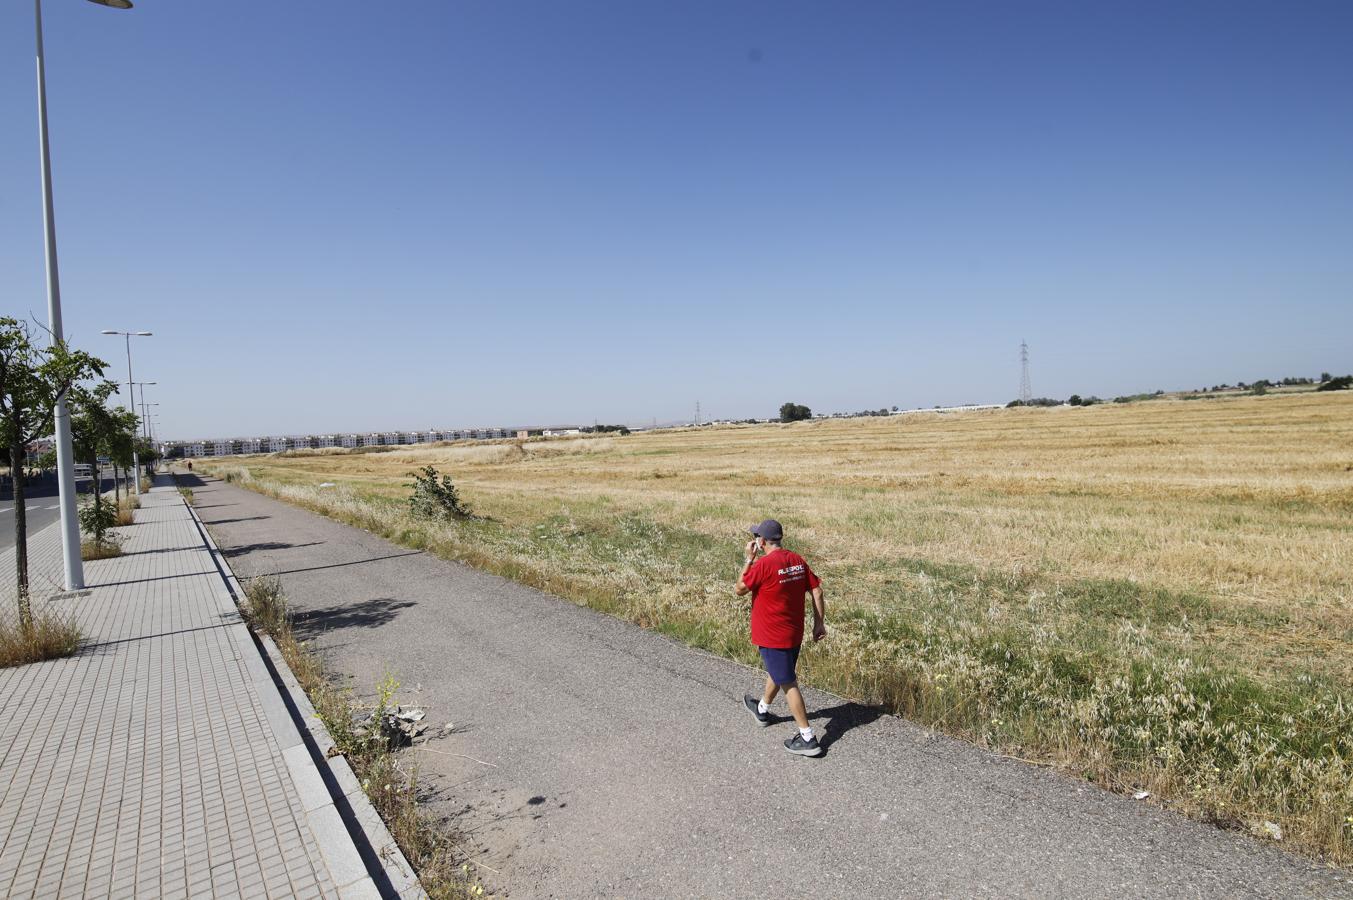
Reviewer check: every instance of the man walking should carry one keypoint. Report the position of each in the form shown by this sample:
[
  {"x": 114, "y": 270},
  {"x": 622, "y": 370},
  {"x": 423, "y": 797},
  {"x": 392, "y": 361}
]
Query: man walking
[{"x": 778, "y": 582}]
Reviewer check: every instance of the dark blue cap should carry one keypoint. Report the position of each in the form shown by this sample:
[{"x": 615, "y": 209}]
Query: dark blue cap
[{"x": 769, "y": 529}]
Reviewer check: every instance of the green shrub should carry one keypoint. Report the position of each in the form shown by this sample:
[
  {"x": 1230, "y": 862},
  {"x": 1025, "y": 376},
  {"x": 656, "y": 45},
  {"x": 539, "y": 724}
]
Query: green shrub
[
  {"x": 96, "y": 519},
  {"x": 434, "y": 499}
]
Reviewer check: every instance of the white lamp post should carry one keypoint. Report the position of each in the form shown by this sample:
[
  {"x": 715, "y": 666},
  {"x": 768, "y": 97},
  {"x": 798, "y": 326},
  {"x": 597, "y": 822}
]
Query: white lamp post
[
  {"x": 131, "y": 390},
  {"x": 145, "y": 431},
  {"x": 142, "y": 385},
  {"x": 65, "y": 463}
]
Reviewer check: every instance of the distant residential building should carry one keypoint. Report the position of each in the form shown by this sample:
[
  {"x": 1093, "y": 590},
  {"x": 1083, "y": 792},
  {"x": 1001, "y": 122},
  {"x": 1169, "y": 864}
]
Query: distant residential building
[
  {"x": 373, "y": 440},
  {"x": 223, "y": 448},
  {"x": 277, "y": 444},
  {"x": 350, "y": 440},
  {"x": 251, "y": 445}
]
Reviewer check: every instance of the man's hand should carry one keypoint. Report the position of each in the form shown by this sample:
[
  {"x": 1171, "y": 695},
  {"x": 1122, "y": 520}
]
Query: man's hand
[
  {"x": 753, "y": 547},
  {"x": 819, "y": 629}
]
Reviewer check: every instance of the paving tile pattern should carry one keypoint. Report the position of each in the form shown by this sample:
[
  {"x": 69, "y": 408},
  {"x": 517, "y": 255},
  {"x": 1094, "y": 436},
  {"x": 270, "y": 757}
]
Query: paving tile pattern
[{"x": 144, "y": 765}]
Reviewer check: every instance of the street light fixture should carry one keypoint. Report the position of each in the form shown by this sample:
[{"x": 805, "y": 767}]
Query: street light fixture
[
  {"x": 65, "y": 462},
  {"x": 131, "y": 389}
]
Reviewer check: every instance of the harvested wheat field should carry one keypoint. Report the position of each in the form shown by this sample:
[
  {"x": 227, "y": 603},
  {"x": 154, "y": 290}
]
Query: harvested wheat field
[{"x": 1155, "y": 596}]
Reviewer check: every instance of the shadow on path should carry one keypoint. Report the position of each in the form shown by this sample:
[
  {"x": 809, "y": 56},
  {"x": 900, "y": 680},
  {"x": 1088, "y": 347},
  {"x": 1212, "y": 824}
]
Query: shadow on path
[
  {"x": 371, "y": 613},
  {"x": 243, "y": 549},
  {"x": 355, "y": 562},
  {"x": 843, "y": 718}
]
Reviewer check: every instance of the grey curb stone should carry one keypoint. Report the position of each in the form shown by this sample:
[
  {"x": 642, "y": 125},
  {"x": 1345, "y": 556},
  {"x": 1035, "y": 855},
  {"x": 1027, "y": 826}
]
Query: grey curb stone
[{"x": 325, "y": 820}]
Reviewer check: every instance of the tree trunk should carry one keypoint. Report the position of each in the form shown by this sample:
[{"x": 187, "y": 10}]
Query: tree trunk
[
  {"x": 117, "y": 487},
  {"x": 20, "y": 536},
  {"x": 98, "y": 500}
]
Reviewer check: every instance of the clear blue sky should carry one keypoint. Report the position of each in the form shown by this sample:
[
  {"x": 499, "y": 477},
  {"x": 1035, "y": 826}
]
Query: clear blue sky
[{"x": 340, "y": 215}]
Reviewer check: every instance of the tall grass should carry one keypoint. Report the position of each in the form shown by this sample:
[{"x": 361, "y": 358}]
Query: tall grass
[
  {"x": 52, "y": 635},
  {"x": 1152, "y": 596}
]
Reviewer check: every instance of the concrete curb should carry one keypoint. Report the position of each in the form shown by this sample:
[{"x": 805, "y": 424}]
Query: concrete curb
[{"x": 339, "y": 800}]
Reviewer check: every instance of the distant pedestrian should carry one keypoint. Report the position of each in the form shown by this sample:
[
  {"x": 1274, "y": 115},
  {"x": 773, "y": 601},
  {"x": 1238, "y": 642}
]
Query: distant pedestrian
[
  {"x": 778, "y": 583},
  {"x": 190, "y": 465}
]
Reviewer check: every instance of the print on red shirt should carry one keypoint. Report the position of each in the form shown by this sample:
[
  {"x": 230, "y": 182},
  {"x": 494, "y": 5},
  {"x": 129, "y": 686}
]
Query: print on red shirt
[{"x": 778, "y": 582}]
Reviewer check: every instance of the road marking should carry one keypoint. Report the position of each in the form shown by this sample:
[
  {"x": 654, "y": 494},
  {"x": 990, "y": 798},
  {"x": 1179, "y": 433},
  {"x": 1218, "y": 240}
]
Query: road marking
[{"x": 51, "y": 507}]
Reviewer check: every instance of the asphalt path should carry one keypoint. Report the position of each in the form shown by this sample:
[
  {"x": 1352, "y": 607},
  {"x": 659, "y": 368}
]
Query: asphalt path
[{"x": 591, "y": 758}]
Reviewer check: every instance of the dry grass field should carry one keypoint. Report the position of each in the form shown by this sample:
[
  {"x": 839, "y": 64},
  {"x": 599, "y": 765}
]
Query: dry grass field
[{"x": 1156, "y": 595}]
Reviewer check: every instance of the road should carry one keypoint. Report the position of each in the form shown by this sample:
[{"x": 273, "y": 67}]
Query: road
[
  {"x": 591, "y": 758},
  {"x": 40, "y": 502}
]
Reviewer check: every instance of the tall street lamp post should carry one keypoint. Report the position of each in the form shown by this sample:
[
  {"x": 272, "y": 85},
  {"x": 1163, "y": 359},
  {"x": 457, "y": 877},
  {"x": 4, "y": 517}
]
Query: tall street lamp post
[
  {"x": 131, "y": 394},
  {"x": 145, "y": 413},
  {"x": 145, "y": 428},
  {"x": 65, "y": 463},
  {"x": 145, "y": 432}
]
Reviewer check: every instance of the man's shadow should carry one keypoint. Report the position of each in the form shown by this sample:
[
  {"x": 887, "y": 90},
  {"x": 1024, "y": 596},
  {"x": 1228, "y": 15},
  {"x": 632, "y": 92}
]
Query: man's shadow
[{"x": 842, "y": 718}]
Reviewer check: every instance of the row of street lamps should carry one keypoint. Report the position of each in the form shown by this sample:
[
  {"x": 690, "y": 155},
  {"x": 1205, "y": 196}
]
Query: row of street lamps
[
  {"x": 131, "y": 392},
  {"x": 65, "y": 463}
]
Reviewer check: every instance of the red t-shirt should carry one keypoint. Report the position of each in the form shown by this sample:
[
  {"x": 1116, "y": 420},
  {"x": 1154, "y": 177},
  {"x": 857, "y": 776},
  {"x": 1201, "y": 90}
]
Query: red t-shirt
[{"x": 779, "y": 581}]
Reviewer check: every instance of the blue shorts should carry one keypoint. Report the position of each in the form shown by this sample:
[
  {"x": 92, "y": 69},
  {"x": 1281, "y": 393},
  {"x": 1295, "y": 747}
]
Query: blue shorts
[{"x": 780, "y": 664}]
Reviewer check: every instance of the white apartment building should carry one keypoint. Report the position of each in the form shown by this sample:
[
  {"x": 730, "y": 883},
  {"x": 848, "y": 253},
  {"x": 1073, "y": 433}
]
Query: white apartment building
[
  {"x": 223, "y": 448},
  {"x": 251, "y": 445},
  {"x": 324, "y": 440},
  {"x": 350, "y": 440},
  {"x": 372, "y": 440},
  {"x": 277, "y": 444}
]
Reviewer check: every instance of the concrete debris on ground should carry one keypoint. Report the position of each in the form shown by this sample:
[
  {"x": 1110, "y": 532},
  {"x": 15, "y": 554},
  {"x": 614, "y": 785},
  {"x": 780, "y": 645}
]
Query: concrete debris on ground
[{"x": 399, "y": 726}]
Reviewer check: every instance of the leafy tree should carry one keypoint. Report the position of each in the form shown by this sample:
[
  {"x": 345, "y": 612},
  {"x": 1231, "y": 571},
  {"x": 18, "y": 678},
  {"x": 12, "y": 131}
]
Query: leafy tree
[
  {"x": 1324, "y": 376},
  {"x": 98, "y": 431},
  {"x": 1075, "y": 400},
  {"x": 1342, "y": 383},
  {"x": 32, "y": 378},
  {"x": 794, "y": 412}
]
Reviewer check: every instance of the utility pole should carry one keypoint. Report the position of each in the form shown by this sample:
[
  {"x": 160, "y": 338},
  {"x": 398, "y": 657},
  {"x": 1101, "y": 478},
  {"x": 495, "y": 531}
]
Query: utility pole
[
  {"x": 1026, "y": 391},
  {"x": 697, "y": 412}
]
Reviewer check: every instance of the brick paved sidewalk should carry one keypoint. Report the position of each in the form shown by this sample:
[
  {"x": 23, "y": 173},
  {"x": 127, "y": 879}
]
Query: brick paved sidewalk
[{"x": 159, "y": 760}]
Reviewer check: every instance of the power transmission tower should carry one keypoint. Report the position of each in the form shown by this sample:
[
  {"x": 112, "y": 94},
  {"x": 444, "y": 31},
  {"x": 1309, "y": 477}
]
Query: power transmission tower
[
  {"x": 1026, "y": 391},
  {"x": 697, "y": 412}
]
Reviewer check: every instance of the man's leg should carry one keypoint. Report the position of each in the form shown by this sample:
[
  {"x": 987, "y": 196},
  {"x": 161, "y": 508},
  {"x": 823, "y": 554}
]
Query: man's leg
[
  {"x": 796, "y": 705},
  {"x": 771, "y": 690}
]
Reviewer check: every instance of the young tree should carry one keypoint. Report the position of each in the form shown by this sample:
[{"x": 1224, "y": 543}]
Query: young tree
[
  {"x": 32, "y": 378},
  {"x": 98, "y": 431}
]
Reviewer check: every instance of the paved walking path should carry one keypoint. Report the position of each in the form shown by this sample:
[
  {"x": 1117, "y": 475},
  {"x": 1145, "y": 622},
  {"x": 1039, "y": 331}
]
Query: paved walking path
[
  {"x": 159, "y": 760},
  {"x": 591, "y": 758}
]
